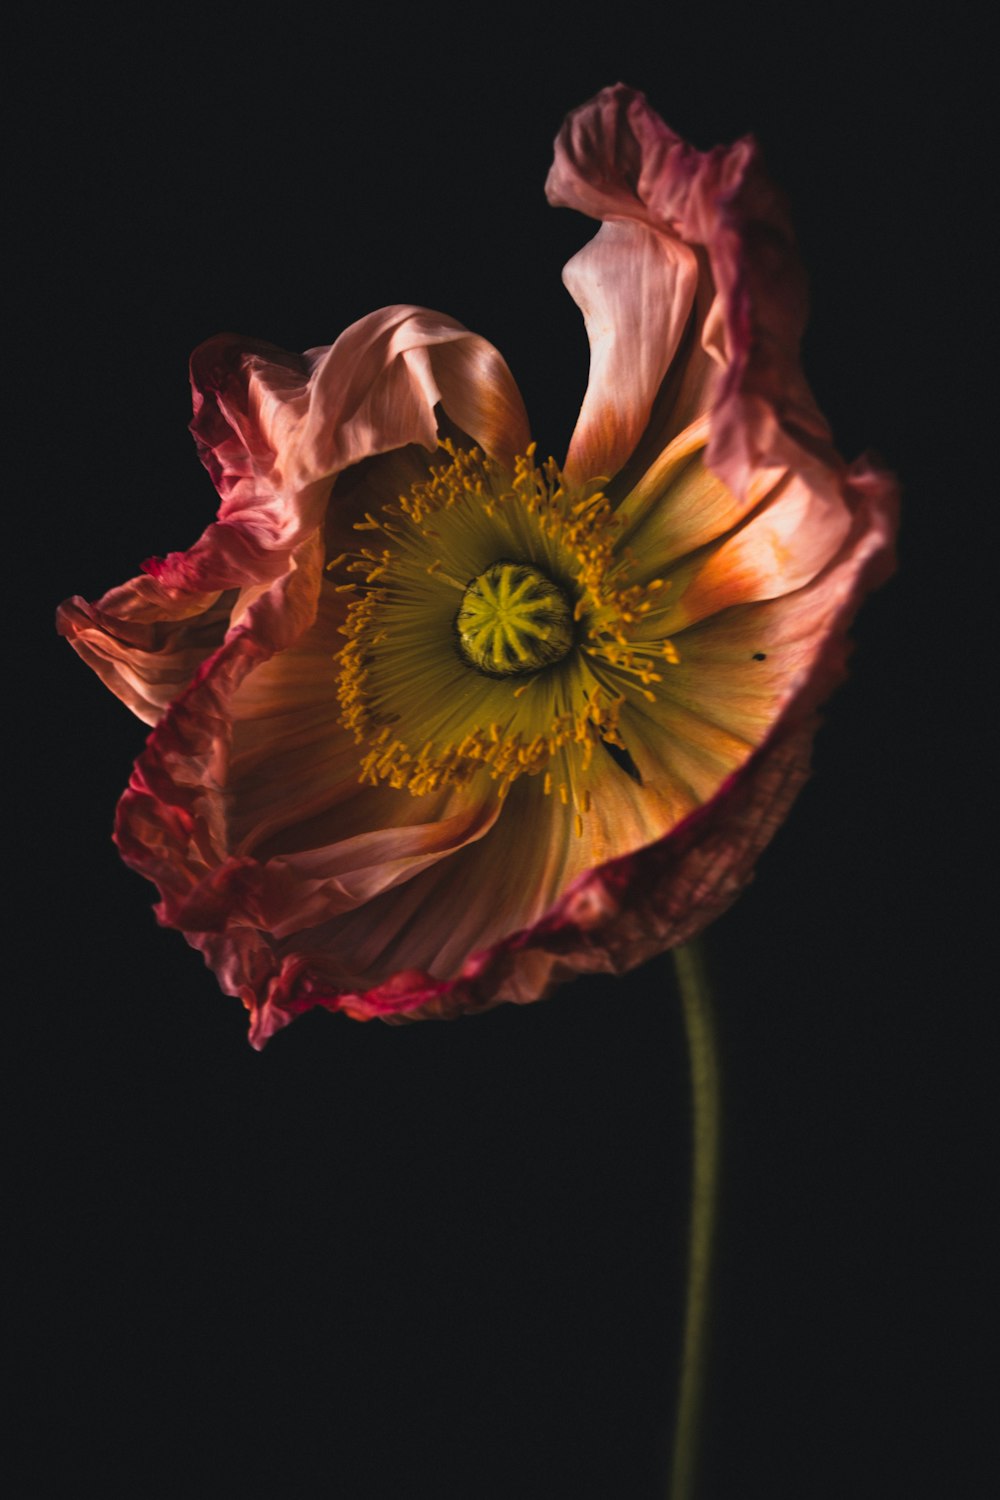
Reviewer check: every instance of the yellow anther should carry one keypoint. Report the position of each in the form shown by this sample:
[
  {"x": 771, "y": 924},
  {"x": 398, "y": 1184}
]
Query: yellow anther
[{"x": 401, "y": 629}]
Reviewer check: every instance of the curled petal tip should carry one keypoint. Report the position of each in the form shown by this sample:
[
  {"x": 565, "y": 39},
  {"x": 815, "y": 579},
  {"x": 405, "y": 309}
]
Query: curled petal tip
[{"x": 346, "y": 801}]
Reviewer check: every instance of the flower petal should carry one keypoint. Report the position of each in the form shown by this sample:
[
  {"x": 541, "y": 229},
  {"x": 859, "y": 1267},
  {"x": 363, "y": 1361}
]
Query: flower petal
[
  {"x": 144, "y": 641},
  {"x": 679, "y": 505},
  {"x": 616, "y": 160},
  {"x": 245, "y": 808},
  {"x": 274, "y": 429},
  {"x": 172, "y": 818},
  {"x": 788, "y": 540},
  {"x": 637, "y": 281},
  {"x": 635, "y": 288},
  {"x": 609, "y": 919},
  {"x": 376, "y": 389},
  {"x": 623, "y": 912},
  {"x": 302, "y": 888}
]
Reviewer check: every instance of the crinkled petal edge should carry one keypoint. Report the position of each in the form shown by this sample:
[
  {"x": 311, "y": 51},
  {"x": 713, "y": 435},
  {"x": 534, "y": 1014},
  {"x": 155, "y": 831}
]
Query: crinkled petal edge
[{"x": 625, "y": 912}]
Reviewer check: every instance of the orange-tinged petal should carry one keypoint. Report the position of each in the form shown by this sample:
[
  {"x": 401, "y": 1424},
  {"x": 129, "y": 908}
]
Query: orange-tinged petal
[
  {"x": 616, "y": 160},
  {"x": 720, "y": 767},
  {"x": 636, "y": 289},
  {"x": 793, "y": 535},
  {"x": 679, "y": 505},
  {"x": 619, "y": 806},
  {"x": 616, "y": 916},
  {"x": 376, "y": 388},
  {"x": 274, "y": 429},
  {"x": 144, "y": 641}
]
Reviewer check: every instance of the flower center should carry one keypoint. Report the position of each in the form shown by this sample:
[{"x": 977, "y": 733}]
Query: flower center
[
  {"x": 521, "y": 672},
  {"x": 513, "y": 619}
]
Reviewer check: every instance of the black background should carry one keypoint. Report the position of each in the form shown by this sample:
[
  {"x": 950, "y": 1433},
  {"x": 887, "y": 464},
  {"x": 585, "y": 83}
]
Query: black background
[{"x": 448, "y": 1259}]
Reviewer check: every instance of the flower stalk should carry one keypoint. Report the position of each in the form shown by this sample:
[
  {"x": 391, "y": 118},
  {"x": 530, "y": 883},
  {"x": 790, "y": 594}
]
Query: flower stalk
[{"x": 696, "y": 1000}]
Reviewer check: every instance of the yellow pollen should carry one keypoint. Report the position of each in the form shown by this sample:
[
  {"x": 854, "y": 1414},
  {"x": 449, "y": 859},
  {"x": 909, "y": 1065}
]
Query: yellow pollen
[{"x": 431, "y": 654}]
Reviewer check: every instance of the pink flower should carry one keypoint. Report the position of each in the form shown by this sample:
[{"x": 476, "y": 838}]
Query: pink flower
[{"x": 437, "y": 727}]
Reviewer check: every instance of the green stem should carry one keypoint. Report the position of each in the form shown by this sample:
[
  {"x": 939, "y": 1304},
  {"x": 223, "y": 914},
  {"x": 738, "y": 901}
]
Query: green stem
[{"x": 705, "y": 1101}]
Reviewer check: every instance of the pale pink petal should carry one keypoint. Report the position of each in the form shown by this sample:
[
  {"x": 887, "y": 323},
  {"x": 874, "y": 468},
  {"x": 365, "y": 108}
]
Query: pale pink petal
[
  {"x": 637, "y": 282},
  {"x": 261, "y": 716},
  {"x": 784, "y": 544},
  {"x": 609, "y": 919},
  {"x": 623, "y": 912},
  {"x": 275, "y": 432},
  {"x": 376, "y": 388},
  {"x": 145, "y": 642},
  {"x": 172, "y": 818},
  {"x": 616, "y": 160},
  {"x": 679, "y": 505},
  {"x": 612, "y": 154},
  {"x": 741, "y": 669},
  {"x": 274, "y": 429},
  {"x": 635, "y": 288},
  {"x": 481, "y": 893},
  {"x": 302, "y": 888}
]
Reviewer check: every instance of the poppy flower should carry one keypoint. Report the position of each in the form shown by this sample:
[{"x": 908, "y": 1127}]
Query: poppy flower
[{"x": 437, "y": 724}]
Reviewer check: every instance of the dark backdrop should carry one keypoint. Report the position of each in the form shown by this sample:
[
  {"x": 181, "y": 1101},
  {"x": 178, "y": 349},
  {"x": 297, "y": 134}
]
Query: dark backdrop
[{"x": 448, "y": 1259}]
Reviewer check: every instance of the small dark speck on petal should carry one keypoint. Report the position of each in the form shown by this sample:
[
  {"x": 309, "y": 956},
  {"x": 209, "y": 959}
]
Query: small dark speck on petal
[
  {"x": 622, "y": 758},
  {"x": 760, "y": 656}
]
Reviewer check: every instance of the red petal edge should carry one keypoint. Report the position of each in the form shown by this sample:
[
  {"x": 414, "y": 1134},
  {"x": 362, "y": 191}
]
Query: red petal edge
[
  {"x": 627, "y": 911},
  {"x": 170, "y": 823}
]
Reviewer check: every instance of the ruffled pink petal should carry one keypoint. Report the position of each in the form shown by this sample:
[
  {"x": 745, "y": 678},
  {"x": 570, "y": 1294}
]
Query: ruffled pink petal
[
  {"x": 616, "y": 160},
  {"x": 609, "y": 920},
  {"x": 797, "y": 531},
  {"x": 173, "y": 821},
  {"x": 144, "y": 641},
  {"x": 742, "y": 668},
  {"x": 637, "y": 282},
  {"x": 274, "y": 429},
  {"x": 376, "y": 389},
  {"x": 625, "y": 911},
  {"x": 300, "y": 888},
  {"x": 487, "y": 888},
  {"x": 275, "y": 432},
  {"x": 635, "y": 288}
]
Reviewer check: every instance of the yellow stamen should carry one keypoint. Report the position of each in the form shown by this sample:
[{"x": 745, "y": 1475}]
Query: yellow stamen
[{"x": 554, "y": 607}]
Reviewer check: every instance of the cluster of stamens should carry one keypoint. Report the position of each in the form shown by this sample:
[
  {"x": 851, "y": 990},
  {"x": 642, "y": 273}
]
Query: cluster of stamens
[{"x": 492, "y": 629}]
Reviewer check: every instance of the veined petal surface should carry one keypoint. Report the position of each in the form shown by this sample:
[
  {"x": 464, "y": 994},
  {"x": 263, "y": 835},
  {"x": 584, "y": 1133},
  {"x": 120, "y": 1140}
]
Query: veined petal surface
[{"x": 341, "y": 803}]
